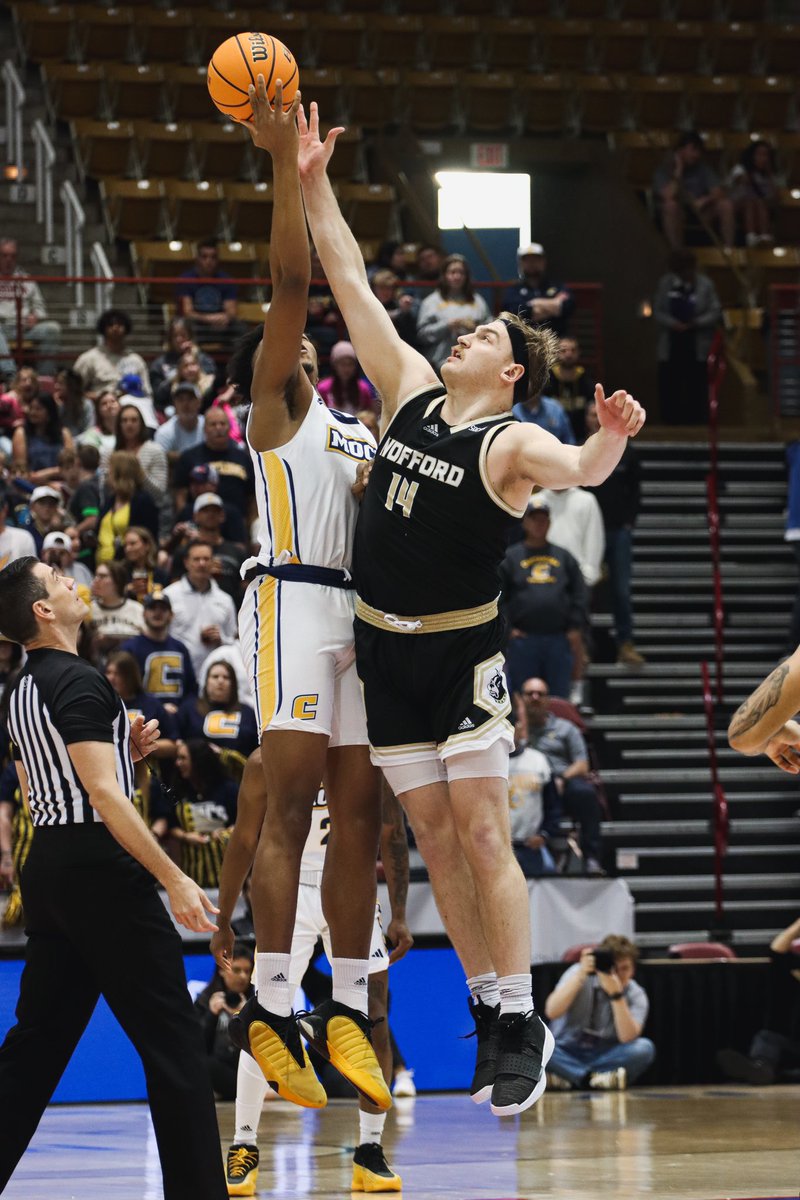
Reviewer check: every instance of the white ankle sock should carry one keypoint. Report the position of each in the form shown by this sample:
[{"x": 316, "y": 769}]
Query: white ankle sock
[
  {"x": 350, "y": 982},
  {"x": 251, "y": 1088},
  {"x": 516, "y": 993},
  {"x": 484, "y": 988},
  {"x": 370, "y": 1127},
  {"x": 272, "y": 983}
]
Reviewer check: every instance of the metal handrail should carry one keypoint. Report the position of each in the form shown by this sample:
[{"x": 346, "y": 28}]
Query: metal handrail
[
  {"x": 74, "y": 221},
  {"x": 717, "y": 366},
  {"x": 15, "y": 102},
  {"x": 103, "y": 292},
  {"x": 719, "y": 819},
  {"x": 43, "y": 179}
]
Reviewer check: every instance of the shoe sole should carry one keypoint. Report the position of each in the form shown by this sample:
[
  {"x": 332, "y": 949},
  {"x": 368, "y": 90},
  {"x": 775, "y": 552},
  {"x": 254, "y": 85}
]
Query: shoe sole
[
  {"x": 511, "y": 1110},
  {"x": 365, "y": 1181},
  {"x": 482, "y": 1096},
  {"x": 364, "y": 1083},
  {"x": 247, "y": 1187},
  {"x": 261, "y": 1037}
]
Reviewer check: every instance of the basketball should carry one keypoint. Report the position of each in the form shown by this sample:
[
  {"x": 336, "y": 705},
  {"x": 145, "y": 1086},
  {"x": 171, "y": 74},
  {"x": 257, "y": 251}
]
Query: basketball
[{"x": 238, "y": 62}]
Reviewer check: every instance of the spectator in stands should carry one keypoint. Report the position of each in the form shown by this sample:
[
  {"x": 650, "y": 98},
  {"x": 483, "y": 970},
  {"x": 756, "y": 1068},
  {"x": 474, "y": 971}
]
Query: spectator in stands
[
  {"x": 128, "y": 503},
  {"x": 209, "y": 517},
  {"x": 755, "y": 188},
  {"x": 203, "y": 818},
  {"x": 774, "y": 1054},
  {"x": 544, "y": 602},
  {"x": 570, "y": 385},
  {"x": 453, "y": 309},
  {"x": 564, "y": 746},
  {"x": 208, "y": 298},
  {"x": 204, "y": 480},
  {"x": 44, "y": 515},
  {"x": 536, "y": 297},
  {"x": 323, "y": 323},
  {"x": 236, "y": 482},
  {"x": 218, "y": 716},
  {"x": 619, "y": 498},
  {"x": 76, "y": 409},
  {"x": 686, "y": 178},
  {"x": 134, "y": 437},
  {"x": 45, "y": 334},
  {"x": 184, "y": 430},
  {"x": 140, "y": 559},
  {"x": 80, "y": 483},
  {"x": 14, "y": 543},
  {"x": 36, "y": 444},
  {"x": 204, "y": 616},
  {"x": 103, "y": 434},
  {"x": 122, "y": 672},
  {"x": 190, "y": 371},
  {"x": 687, "y": 310},
  {"x": 58, "y": 551},
  {"x": 178, "y": 339},
  {"x": 547, "y": 414},
  {"x": 597, "y": 1016},
  {"x": 11, "y": 417},
  {"x": 533, "y": 800},
  {"x": 391, "y": 257},
  {"x": 164, "y": 662},
  {"x": 224, "y": 996},
  {"x": 427, "y": 270},
  {"x": 114, "y": 616},
  {"x": 24, "y": 387},
  {"x": 103, "y": 367},
  {"x": 345, "y": 389},
  {"x": 401, "y": 307}
]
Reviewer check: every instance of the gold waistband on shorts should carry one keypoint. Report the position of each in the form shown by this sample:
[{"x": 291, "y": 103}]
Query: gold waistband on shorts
[{"x": 458, "y": 618}]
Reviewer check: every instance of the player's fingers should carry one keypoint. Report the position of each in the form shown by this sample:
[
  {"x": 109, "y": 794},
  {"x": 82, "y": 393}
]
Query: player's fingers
[
  {"x": 206, "y": 903},
  {"x": 599, "y": 393},
  {"x": 261, "y": 88},
  {"x": 314, "y": 119},
  {"x": 278, "y": 101},
  {"x": 333, "y": 134},
  {"x": 302, "y": 123}
]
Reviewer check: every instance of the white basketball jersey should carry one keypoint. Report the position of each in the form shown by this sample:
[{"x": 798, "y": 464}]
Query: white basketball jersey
[
  {"x": 317, "y": 841},
  {"x": 306, "y": 509}
]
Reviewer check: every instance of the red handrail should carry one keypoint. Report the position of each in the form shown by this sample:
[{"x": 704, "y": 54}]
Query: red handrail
[
  {"x": 717, "y": 366},
  {"x": 719, "y": 819}
]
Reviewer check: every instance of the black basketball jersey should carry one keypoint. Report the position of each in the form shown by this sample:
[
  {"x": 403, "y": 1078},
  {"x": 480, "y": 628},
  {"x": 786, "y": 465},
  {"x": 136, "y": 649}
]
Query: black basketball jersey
[{"x": 431, "y": 533}]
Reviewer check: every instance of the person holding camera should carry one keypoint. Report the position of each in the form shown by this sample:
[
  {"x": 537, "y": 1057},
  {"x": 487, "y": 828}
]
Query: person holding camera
[
  {"x": 221, "y": 999},
  {"x": 597, "y": 1012}
]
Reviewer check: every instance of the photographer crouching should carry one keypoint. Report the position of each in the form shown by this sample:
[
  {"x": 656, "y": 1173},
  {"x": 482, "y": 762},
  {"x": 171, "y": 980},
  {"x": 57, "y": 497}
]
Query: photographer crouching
[
  {"x": 597, "y": 1012},
  {"x": 217, "y": 1003}
]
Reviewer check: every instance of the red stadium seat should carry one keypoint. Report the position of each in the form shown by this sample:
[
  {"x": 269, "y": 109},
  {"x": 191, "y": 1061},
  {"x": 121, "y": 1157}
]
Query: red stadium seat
[
  {"x": 573, "y": 953},
  {"x": 705, "y": 950}
]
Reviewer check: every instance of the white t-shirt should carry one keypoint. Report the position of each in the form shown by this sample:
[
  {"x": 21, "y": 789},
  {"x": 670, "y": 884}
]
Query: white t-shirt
[
  {"x": 528, "y": 772},
  {"x": 14, "y": 544}
]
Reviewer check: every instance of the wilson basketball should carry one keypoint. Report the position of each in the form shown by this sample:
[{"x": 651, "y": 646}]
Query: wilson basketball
[{"x": 238, "y": 62}]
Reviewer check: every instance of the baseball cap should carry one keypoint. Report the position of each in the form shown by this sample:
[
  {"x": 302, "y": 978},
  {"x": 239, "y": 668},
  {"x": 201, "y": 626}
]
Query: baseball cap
[
  {"x": 204, "y": 473},
  {"x": 44, "y": 493},
  {"x": 343, "y": 350},
  {"x": 157, "y": 596},
  {"x": 206, "y": 499},
  {"x": 538, "y": 504},
  {"x": 187, "y": 386},
  {"x": 530, "y": 248},
  {"x": 57, "y": 541}
]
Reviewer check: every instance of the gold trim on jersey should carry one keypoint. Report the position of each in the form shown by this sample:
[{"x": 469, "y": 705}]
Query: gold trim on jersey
[
  {"x": 457, "y": 618},
  {"x": 280, "y": 505},
  {"x": 267, "y": 635},
  {"x": 493, "y": 495}
]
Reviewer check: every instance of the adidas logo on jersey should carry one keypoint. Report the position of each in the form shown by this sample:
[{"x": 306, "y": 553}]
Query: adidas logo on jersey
[
  {"x": 279, "y": 978},
  {"x": 433, "y": 430},
  {"x": 466, "y": 724}
]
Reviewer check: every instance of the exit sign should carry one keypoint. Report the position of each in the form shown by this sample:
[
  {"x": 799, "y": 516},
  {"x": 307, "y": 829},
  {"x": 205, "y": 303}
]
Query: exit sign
[{"x": 486, "y": 155}]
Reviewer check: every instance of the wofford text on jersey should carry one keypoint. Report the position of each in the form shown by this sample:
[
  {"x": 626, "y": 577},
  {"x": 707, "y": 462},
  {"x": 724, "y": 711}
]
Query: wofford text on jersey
[{"x": 415, "y": 460}]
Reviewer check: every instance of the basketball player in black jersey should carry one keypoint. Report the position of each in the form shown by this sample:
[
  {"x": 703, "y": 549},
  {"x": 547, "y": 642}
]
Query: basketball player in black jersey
[{"x": 453, "y": 470}]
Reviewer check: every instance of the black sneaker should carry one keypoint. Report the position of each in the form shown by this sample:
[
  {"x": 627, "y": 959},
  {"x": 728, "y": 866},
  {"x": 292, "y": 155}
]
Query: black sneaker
[
  {"x": 487, "y": 1032},
  {"x": 371, "y": 1172},
  {"x": 342, "y": 1035},
  {"x": 735, "y": 1065},
  {"x": 274, "y": 1042},
  {"x": 241, "y": 1170},
  {"x": 526, "y": 1045}
]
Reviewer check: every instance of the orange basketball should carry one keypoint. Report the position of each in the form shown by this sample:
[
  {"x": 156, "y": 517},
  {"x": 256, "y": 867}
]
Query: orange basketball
[{"x": 238, "y": 62}]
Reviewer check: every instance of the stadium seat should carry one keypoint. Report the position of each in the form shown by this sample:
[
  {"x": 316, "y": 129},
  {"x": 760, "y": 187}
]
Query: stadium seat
[
  {"x": 188, "y": 94},
  {"x": 44, "y": 32},
  {"x": 528, "y": 8},
  {"x": 367, "y": 208},
  {"x": 450, "y": 43},
  {"x": 395, "y": 40},
  {"x": 347, "y": 161},
  {"x": 768, "y": 101},
  {"x": 782, "y": 48},
  {"x": 509, "y": 43},
  {"x": 573, "y": 953},
  {"x": 223, "y": 150},
  {"x": 240, "y": 260},
  {"x": 103, "y": 147},
  {"x": 134, "y": 208},
  {"x": 745, "y": 10},
  {"x": 430, "y": 101},
  {"x": 642, "y": 10},
  {"x": 252, "y": 312},
  {"x": 565, "y": 45},
  {"x": 488, "y": 101},
  {"x": 787, "y": 225},
  {"x": 371, "y": 97},
  {"x": 546, "y": 103},
  {"x": 719, "y": 264},
  {"x": 338, "y": 39},
  {"x": 325, "y": 86},
  {"x": 161, "y": 258},
  {"x": 213, "y": 27},
  {"x": 658, "y": 101},
  {"x": 712, "y": 950},
  {"x": 249, "y": 207},
  {"x": 678, "y": 46},
  {"x": 163, "y": 150},
  {"x": 166, "y": 35},
  {"x": 104, "y": 34},
  {"x": 603, "y": 102},
  {"x": 713, "y": 100},
  {"x": 621, "y": 45},
  {"x": 74, "y": 90},
  {"x": 590, "y": 9},
  {"x": 732, "y": 46},
  {"x": 195, "y": 207},
  {"x": 643, "y": 153},
  {"x": 136, "y": 91}
]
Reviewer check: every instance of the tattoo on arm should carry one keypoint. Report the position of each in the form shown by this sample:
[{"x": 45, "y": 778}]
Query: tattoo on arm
[{"x": 765, "y": 697}]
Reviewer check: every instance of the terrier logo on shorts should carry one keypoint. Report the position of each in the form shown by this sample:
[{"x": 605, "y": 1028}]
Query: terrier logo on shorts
[{"x": 491, "y": 693}]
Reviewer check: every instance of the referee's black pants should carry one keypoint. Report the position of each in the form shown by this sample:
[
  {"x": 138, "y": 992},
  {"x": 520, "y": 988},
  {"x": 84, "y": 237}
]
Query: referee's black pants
[{"x": 96, "y": 925}]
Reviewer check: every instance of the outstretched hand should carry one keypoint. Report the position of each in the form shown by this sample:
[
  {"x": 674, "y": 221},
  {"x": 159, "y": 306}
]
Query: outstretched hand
[
  {"x": 784, "y": 748},
  {"x": 271, "y": 128},
  {"x": 314, "y": 154},
  {"x": 619, "y": 413}
]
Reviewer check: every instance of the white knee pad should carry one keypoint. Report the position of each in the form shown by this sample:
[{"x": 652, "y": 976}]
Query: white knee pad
[
  {"x": 405, "y": 777},
  {"x": 491, "y": 763}
]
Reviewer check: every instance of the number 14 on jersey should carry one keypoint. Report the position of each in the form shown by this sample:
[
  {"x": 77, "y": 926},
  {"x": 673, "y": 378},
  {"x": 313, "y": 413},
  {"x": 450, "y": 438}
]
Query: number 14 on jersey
[{"x": 401, "y": 492}]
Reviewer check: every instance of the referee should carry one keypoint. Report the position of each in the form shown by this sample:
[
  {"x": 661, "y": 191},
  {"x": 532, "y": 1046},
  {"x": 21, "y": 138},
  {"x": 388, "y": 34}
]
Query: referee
[{"x": 95, "y": 923}]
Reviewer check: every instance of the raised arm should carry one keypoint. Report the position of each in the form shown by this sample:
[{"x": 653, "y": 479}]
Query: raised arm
[
  {"x": 391, "y": 365},
  {"x": 764, "y": 724},
  {"x": 281, "y": 392}
]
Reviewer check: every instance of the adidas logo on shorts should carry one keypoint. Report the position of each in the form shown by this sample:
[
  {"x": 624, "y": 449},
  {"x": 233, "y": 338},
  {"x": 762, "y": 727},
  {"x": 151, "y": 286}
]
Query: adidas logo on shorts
[
  {"x": 377, "y": 953},
  {"x": 466, "y": 724}
]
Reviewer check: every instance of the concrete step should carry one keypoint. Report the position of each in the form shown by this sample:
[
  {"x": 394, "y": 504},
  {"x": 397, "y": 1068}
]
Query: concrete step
[
  {"x": 700, "y": 884},
  {"x": 730, "y": 777},
  {"x": 745, "y": 942}
]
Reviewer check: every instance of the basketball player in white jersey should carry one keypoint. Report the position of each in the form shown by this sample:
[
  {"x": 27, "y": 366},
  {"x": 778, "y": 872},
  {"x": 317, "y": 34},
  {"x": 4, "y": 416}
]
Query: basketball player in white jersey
[
  {"x": 295, "y": 628},
  {"x": 453, "y": 470},
  {"x": 371, "y": 1172}
]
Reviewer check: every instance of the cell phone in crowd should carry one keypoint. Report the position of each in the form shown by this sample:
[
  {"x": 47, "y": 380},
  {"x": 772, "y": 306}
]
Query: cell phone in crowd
[{"x": 604, "y": 961}]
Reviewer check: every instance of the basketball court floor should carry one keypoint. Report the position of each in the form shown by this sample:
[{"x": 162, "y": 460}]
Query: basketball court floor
[{"x": 693, "y": 1143}]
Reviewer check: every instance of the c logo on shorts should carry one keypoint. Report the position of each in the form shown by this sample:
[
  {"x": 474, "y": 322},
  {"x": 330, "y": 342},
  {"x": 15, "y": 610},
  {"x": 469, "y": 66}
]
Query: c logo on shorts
[{"x": 304, "y": 708}]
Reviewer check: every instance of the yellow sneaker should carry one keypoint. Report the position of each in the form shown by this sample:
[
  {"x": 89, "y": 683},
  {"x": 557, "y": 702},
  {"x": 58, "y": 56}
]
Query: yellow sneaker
[
  {"x": 342, "y": 1035},
  {"x": 274, "y": 1042},
  {"x": 371, "y": 1172},
  {"x": 241, "y": 1170}
]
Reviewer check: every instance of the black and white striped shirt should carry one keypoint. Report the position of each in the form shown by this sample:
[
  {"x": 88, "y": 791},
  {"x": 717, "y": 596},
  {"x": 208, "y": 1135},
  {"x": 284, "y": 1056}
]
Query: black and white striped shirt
[{"x": 59, "y": 699}]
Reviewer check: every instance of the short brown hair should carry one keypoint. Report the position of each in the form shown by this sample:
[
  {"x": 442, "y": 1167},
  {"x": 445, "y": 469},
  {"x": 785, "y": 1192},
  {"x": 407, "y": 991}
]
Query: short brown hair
[
  {"x": 542, "y": 351},
  {"x": 620, "y": 946}
]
